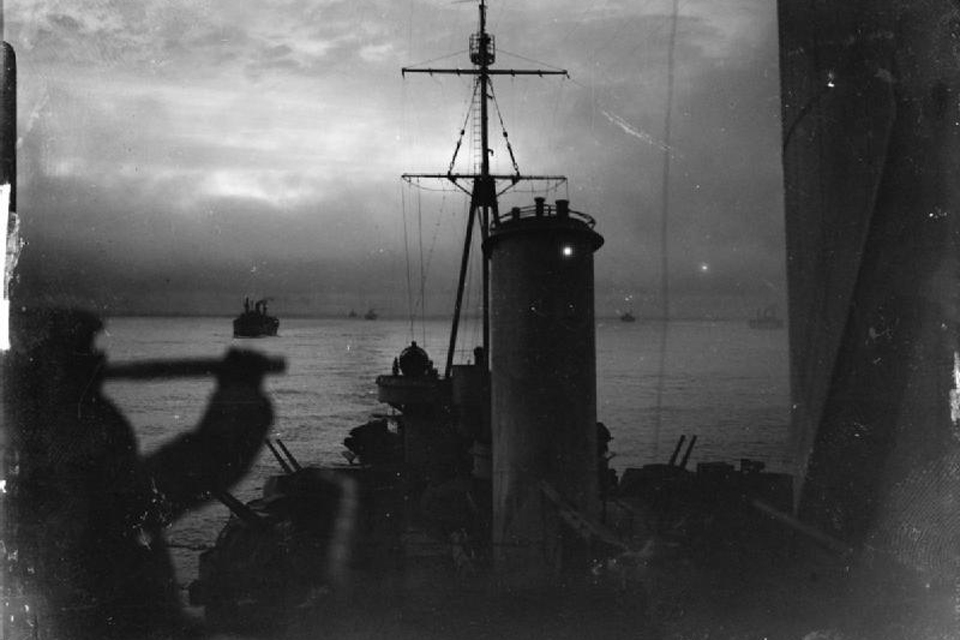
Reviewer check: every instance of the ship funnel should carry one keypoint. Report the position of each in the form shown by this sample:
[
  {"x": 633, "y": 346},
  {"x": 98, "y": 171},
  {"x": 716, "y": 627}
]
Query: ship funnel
[{"x": 543, "y": 389}]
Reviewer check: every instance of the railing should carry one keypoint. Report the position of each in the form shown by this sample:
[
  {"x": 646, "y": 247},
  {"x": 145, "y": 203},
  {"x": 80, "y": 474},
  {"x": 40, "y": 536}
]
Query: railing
[
  {"x": 561, "y": 211},
  {"x": 482, "y": 49}
]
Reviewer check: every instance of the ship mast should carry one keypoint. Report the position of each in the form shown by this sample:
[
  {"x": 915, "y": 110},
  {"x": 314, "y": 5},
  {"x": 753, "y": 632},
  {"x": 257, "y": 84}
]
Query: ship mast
[{"x": 483, "y": 191}]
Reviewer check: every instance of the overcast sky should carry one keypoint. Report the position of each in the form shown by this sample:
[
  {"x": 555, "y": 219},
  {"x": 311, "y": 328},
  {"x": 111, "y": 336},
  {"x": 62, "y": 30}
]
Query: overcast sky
[{"x": 176, "y": 156}]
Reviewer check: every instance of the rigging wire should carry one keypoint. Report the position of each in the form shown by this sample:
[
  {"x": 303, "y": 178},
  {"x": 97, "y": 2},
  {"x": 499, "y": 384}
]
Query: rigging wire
[
  {"x": 538, "y": 62},
  {"x": 426, "y": 260},
  {"x": 436, "y": 231},
  {"x": 475, "y": 158},
  {"x": 406, "y": 128},
  {"x": 443, "y": 188},
  {"x": 477, "y": 306},
  {"x": 664, "y": 236},
  {"x": 437, "y": 59},
  {"x": 423, "y": 277},
  {"x": 557, "y": 103},
  {"x": 406, "y": 252},
  {"x": 553, "y": 185},
  {"x": 503, "y": 128},
  {"x": 469, "y": 288},
  {"x": 463, "y": 130},
  {"x": 554, "y": 117}
]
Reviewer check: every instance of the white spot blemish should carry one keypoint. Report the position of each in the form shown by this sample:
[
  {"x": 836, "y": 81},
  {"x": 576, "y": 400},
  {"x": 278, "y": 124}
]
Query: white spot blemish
[
  {"x": 955, "y": 396},
  {"x": 13, "y": 246},
  {"x": 636, "y": 133}
]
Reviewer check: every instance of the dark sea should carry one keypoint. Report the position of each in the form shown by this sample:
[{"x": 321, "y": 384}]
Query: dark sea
[{"x": 724, "y": 382}]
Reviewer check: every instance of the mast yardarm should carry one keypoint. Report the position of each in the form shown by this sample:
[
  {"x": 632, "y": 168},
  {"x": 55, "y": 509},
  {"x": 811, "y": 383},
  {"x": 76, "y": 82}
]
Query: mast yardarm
[{"x": 483, "y": 191}]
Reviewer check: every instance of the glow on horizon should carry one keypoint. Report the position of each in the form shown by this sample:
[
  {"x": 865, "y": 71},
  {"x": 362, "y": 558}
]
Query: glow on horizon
[{"x": 280, "y": 129}]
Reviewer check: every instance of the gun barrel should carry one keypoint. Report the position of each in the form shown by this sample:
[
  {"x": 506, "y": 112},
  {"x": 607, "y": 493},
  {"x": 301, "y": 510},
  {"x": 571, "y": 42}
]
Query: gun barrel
[
  {"x": 186, "y": 368},
  {"x": 686, "y": 456},
  {"x": 239, "y": 509},
  {"x": 676, "y": 450}
]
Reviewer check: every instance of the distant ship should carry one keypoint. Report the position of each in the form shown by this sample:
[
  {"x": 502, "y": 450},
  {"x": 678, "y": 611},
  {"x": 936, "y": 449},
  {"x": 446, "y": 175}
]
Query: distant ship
[
  {"x": 255, "y": 323},
  {"x": 626, "y": 316},
  {"x": 370, "y": 315},
  {"x": 352, "y": 314},
  {"x": 766, "y": 319}
]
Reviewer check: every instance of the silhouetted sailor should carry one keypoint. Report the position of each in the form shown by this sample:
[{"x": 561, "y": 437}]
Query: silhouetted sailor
[
  {"x": 607, "y": 476},
  {"x": 91, "y": 508}
]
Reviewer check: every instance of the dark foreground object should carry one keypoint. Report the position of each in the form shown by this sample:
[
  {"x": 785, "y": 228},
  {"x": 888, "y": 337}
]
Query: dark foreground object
[
  {"x": 425, "y": 601},
  {"x": 88, "y": 556}
]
